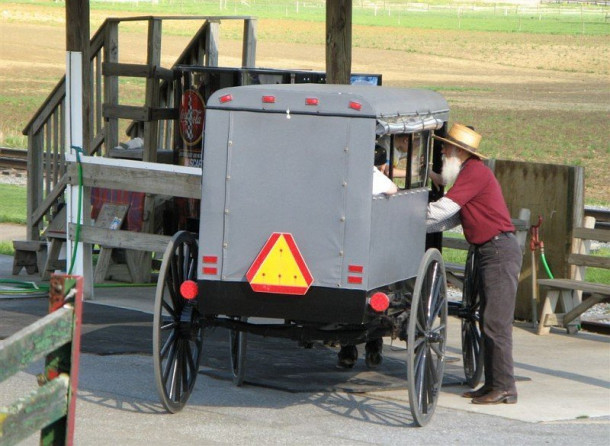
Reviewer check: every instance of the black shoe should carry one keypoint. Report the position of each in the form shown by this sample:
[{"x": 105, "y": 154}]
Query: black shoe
[
  {"x": 347, "y": 356},
  {"x": 374, "y": 355}
]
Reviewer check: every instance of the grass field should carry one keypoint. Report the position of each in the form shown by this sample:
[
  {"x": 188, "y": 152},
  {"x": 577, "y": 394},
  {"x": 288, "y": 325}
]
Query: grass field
[
  {"x": 534, "y": 81},
  {"x": 13, "y": 208}
]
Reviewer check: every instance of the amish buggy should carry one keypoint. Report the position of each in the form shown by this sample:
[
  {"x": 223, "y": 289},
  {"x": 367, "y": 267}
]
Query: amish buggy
[{"x": 292, "y": 243}]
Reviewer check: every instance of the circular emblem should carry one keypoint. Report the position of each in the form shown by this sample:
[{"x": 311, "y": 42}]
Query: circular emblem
[{"x": 192, "y": 111}]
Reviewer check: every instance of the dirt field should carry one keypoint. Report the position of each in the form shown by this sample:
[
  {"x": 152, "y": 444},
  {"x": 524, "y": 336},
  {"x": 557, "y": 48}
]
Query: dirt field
[{"x": 539, "y": 98}]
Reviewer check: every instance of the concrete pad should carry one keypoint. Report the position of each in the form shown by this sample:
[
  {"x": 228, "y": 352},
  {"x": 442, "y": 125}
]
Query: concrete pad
[{"x": 562, "y": 377}]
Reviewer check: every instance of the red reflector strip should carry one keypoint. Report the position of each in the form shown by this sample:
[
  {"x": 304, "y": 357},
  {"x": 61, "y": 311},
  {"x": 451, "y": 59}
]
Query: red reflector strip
[
  {"x": 312, "y": 101},
  {"x": 354, "y": 279},
  {"x": 210, "y": 270},
  {"x": 226, "y": 98},
  {"x": 355, "y": 105},
  {"x": 355, "y": 268},
  {"x": 210, "y": 259},
  {"x": 269, "y": 99}
]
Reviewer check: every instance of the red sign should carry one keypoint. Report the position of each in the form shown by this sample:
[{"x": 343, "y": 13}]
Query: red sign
[
  {"x": 279, "y": 267},
  {"x": 192, "y": 113}
]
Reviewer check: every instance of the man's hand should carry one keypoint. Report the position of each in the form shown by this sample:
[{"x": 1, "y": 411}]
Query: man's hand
[{"x": 437, "y": 179}]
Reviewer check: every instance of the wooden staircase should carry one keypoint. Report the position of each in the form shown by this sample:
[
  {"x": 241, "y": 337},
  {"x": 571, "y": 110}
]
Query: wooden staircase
[{"x": 154, "y": 120}]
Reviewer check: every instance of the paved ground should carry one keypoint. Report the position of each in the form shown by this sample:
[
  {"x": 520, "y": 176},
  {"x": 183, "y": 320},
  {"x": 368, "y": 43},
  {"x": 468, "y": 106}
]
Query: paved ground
[{"x": 564, "y": 398}]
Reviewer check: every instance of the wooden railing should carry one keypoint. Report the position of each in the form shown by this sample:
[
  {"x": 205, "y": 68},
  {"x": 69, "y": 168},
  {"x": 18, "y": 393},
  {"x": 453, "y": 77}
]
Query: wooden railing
[
  {"x": 154, "y": 121},
  {"x": 51, "y": 408}
]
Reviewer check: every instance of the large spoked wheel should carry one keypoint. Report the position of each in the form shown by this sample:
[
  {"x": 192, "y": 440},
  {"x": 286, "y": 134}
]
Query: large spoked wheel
[
  {"x": 177, "y": 328},
  {"x": 472, "y": 347},
  {"x": 427, "y": 337},
  {"x": 237, "y": 343}
]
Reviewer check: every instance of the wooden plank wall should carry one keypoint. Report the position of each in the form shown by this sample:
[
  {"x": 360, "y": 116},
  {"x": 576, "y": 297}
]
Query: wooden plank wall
[{"x": 555, "y": 192}]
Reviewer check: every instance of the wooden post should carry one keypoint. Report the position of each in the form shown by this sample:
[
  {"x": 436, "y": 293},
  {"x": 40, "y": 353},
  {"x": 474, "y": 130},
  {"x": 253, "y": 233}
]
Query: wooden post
[
  {"x": 153, "y": 58},
  {"x": 77, "y": 39},
  {"x": 211, "y": 44},
  {"x": 78, "y": 101},
  {"x": 111, "y": 85},
  {"x": 338, "y": 41},
  {"x": 248, "y": 56},
  {"x": 64, "y": 360},
  {"x": 34, "y": 188}
]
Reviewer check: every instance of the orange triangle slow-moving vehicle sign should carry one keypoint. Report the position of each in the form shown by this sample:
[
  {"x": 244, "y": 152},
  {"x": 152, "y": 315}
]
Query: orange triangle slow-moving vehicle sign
[{"x": 280, "y": 267}]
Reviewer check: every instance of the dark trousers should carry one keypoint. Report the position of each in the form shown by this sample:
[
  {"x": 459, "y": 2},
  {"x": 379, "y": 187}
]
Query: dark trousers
[{"x": 499, "y": 267}]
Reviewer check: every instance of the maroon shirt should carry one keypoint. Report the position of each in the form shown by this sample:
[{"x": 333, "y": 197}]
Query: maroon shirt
[{"x": 483, "y": 210}]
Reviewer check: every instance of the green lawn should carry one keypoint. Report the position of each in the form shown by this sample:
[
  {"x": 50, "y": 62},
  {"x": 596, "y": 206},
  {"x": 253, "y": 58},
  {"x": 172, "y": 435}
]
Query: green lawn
[
  {"x": 442, "y": 14},
  {"x": 14, "y": 204}
]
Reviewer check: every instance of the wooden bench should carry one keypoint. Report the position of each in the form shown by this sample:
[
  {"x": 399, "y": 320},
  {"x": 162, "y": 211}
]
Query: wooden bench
[
  {"x": 569, "y": 292},
  {"x": 29, "y": 254}
]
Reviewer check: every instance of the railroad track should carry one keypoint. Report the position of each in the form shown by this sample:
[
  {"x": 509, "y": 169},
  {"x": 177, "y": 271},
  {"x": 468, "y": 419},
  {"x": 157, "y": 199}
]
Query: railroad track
[
  {"x": 13, "y": 158},
  {"x": 18, "y": 159}
]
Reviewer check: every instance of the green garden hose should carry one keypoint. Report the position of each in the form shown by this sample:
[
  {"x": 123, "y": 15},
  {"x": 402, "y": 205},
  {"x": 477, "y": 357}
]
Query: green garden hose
[
  {"x": 546, "y": 265},
  {"x": 78, "y": 151}
]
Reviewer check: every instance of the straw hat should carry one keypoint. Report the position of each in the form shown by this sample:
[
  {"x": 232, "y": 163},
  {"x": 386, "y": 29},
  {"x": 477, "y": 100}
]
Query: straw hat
[{"x": 463, "y": 137}]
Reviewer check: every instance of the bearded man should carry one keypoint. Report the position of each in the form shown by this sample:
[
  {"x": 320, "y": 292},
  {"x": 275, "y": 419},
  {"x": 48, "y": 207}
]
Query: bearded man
[{"x": 475, "y": 200}]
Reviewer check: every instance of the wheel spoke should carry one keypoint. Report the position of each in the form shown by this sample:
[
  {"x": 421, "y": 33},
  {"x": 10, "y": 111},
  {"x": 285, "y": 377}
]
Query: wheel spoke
[
  {"x": 167, "y": 344},
  {"x": 184, "y": 367},
  {"x": 170, "y": 310},
  {"x": 420, "y": 379},
  {"x": 191, "y": 364},
  {"x": 170, "y": 325},
  {"x": 173, "y": 380},
  {"x": 170, "y": 362},
  {"x": 437, "y": 351}
]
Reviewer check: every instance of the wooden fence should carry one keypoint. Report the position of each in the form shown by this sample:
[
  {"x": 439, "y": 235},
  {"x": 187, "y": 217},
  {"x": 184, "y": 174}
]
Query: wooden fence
[{"x": 51, "y": 408}]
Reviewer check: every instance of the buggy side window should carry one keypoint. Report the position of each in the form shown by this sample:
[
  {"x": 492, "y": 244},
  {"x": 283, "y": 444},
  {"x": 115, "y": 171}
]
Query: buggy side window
[{"x": 408, "y": 159}]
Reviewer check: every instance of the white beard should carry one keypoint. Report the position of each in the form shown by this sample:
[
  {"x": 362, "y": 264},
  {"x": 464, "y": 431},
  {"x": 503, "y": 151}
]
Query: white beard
[{"x": 451, "y": 170}]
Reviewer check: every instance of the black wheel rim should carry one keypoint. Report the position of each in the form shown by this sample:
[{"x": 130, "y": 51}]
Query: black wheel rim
[
  {"x": 427, "y": 337},
  {"x": 237, "y": 344},
  {"x": 472, "y": 347},
  {"x": 177, "y": 329}
]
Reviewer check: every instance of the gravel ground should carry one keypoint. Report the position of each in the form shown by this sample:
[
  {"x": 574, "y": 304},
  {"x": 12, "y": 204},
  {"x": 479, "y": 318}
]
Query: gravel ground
[{"x": 13, "y": 176}]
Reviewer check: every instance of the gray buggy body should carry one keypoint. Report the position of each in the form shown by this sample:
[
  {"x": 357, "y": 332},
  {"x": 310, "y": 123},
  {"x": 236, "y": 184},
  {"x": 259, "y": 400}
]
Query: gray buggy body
[{"x": 298, "y": 160}]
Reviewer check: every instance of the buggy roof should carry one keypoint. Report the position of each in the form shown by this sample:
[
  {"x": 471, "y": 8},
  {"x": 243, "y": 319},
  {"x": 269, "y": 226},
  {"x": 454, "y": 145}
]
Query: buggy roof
[{"x": 390, "y": 106}]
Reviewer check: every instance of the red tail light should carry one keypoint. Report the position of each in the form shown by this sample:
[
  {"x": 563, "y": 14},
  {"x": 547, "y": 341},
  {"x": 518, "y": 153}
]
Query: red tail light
[
  {"x": 226, "y": 98},
  {"x": 355, "y": 105},
  {"x": 189, "y": 289},
  {"x": 268, "y": 99},
  {"x": 379, "y": 302}
]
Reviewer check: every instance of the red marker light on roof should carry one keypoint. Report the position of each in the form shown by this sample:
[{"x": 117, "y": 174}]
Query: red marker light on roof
[
  {"x": 312, "y": 101},
  {"x": 189, "y": 289},
  {"x": 379, "y": 302},
  {"x": 355, "y": 105},
  {"x": 269, "y": 99},
  {"x": 226, "y": 98}
]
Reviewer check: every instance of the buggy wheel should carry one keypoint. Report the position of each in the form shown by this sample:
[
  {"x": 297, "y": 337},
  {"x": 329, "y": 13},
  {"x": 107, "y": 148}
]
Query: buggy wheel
[
  {"x": 472, "y": 347},
  {"x": 427, "y": 337},
  {"x": 177, "y": 327},
  {"x": 237, "y": 344}
]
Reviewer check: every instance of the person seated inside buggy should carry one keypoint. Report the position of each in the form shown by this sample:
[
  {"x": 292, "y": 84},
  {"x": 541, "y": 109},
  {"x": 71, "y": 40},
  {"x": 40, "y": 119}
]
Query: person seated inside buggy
[{"x": 405, "y": 144}]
